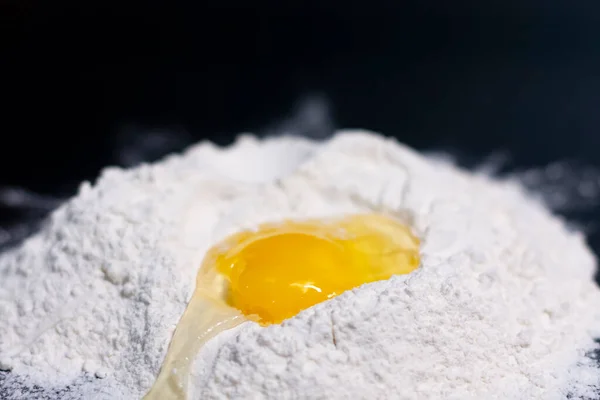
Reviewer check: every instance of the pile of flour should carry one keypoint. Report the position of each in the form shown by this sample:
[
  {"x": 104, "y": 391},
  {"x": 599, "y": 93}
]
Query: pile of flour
[{"x": 503, "y": 305}]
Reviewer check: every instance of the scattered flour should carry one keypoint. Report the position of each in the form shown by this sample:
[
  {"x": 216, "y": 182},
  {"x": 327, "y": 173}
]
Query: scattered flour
[{"x": 502, "y": 307}]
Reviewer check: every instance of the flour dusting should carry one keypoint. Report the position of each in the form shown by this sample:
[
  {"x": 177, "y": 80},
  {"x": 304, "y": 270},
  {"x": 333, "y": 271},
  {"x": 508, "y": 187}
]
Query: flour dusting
[{"x": 502, "y": 306}]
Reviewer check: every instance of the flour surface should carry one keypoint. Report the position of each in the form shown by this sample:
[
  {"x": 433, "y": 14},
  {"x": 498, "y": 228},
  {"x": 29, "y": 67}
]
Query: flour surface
[{"x": 503, "y": 305}]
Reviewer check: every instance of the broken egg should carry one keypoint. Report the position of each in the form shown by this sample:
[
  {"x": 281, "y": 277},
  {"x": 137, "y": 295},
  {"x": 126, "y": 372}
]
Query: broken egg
[{"x": 272, "y": 273}]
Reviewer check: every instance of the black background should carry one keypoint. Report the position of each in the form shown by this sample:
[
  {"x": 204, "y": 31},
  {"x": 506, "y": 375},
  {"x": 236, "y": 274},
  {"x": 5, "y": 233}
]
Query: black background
[{"x": 472, "y": 77}]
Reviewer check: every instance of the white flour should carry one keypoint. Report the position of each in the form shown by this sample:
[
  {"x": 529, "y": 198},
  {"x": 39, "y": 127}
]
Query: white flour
[{"x": 503, "y": 305}]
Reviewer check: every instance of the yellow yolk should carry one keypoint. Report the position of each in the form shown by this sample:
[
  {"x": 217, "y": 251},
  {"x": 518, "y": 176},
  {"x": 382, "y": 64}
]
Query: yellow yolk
[
  {"x": 281, "y": 269},
  {"x": 272, "y": 273}
]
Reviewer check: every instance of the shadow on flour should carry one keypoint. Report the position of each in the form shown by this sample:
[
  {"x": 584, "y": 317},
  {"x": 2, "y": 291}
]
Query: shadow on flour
[{"x": 13, "y": 388}]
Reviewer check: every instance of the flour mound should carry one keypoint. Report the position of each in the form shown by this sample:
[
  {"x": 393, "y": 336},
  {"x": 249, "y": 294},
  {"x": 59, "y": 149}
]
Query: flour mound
[{"x": 502, "y": 305}]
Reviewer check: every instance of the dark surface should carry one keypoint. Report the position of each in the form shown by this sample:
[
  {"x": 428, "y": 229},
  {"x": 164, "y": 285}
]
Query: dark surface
[{"x": 83, "y": 82}]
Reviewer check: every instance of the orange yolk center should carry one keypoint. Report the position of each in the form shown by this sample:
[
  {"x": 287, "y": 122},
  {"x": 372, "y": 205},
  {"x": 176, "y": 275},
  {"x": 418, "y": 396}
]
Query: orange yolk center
[{"x": 281, "y": 269}]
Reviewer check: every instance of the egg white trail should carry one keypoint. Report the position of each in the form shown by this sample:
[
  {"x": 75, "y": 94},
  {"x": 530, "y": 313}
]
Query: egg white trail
[{"x": 503, "y": 305}]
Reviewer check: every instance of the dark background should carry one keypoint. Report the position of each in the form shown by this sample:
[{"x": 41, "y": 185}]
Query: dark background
[{"x": 83, "y": 81}]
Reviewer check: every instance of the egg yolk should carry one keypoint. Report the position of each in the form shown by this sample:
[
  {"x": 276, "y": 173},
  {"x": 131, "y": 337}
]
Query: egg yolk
[{"x": 281, "y": 269}]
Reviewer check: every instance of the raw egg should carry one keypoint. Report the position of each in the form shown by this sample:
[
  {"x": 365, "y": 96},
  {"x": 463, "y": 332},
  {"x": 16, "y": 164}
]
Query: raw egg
[{"x": 272, "y": 273}]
